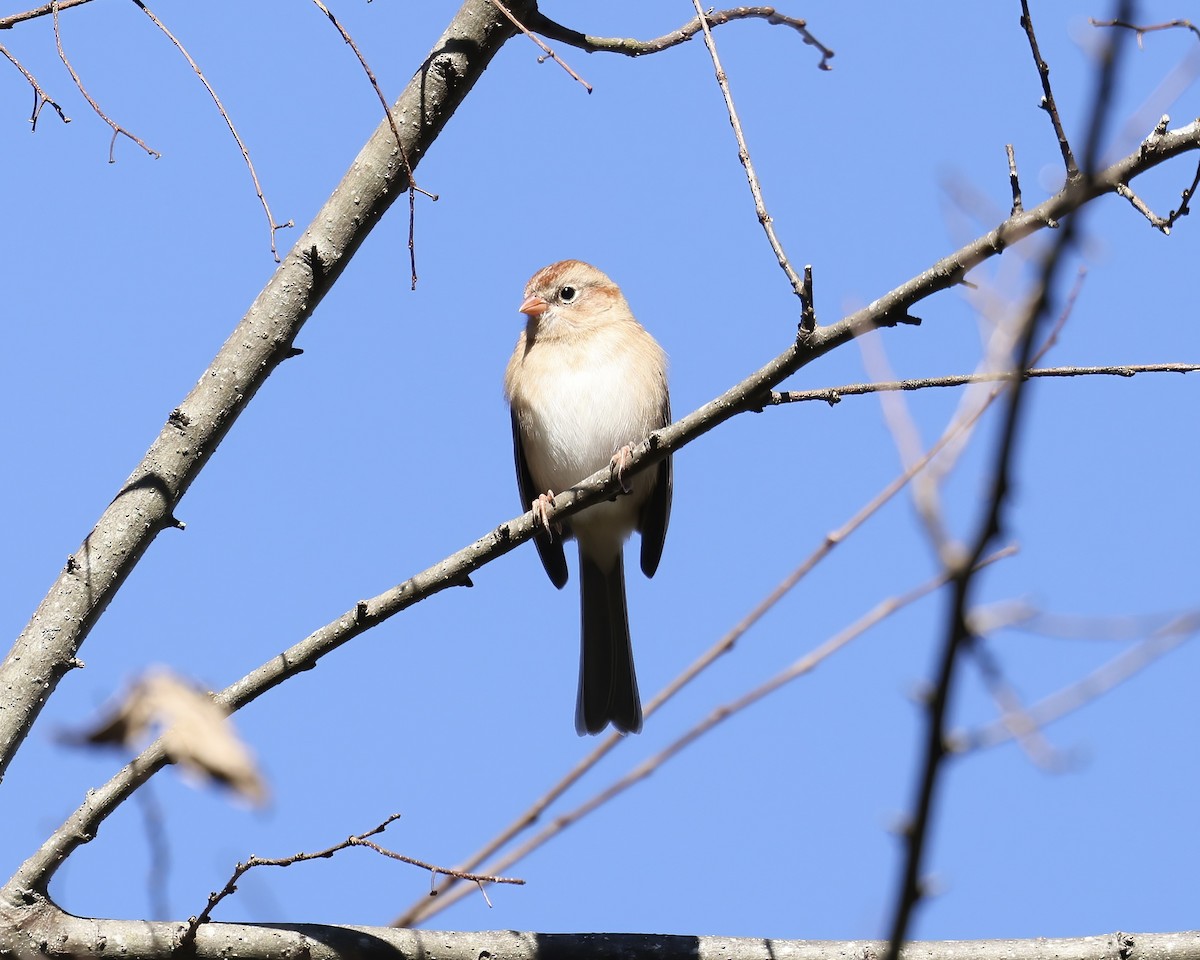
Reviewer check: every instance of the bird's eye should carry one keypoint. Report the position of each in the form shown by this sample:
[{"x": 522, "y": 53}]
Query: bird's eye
[{"x": 567, "y": 294}]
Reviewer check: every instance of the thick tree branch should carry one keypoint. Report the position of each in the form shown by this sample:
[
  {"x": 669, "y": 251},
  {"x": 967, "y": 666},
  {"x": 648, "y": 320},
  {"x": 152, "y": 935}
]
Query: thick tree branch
[
  {"x": 145, "y": 504},
  {"x": 50, "y": 932}
]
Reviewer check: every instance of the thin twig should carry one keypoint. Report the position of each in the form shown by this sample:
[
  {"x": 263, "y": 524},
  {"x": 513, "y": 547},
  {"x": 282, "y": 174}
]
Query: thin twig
[
  {"x": 1014, "y": 715},
  {"x": 159, "y": 848},
  {"x": 804, "y": 665},
  {"x": 1163, "y": 224},
  {"x": 1013, "y": 181},
  {"x": 1048, "y": 103},
  {"x": 549, "y": 54},
  {"x": 1141, "y": 31},
  {"x": 39, "y": 95},
  {"x": 361, "y": 840},
  {"x": 116, "y": 127},
  {"x": 1070, "y": 699},
  {"x": 744, "y": 155},
  {"x": 639, "y": 48},
  {"x": 391, "y": 119},
  {"x": 271, "y": 224},
  {"x": 808, "y": 310},
  {"x": 7, "y": 23},
  {"x": 833, "y": 395}
]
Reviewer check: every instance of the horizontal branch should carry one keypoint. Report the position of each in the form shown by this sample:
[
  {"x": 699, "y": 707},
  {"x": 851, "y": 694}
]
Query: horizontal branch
[
  {"x": 832, "y": 395},
  {"x": 7, "y": 23},
  {"x": 631, "y": 47},
  {"x": 142, "y": 940}
]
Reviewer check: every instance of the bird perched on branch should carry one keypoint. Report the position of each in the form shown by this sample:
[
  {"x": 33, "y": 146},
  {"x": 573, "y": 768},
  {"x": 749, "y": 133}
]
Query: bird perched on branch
[{"x": 585, "y": 383}]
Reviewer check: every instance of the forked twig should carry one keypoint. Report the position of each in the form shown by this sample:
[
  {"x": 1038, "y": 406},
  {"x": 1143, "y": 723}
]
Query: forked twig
[
  {"x": 39, "y": 95},
  {"x": 549, "y": 54},
  {"x": 271, "y": 224},
  {"x": 116, "y": 127},
  {"x": 361, "y": 840},
  {"x": 7, "y": 23}
]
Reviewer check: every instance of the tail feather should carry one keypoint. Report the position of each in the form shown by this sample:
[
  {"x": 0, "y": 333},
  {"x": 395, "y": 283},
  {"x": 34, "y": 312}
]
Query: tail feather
[{"x": 607, "y": 684}]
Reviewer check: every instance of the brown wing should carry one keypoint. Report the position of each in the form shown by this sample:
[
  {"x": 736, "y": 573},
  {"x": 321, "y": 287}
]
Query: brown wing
[
  {"x": 656, "y": 511},
  {"x": 551, "y": 551}
]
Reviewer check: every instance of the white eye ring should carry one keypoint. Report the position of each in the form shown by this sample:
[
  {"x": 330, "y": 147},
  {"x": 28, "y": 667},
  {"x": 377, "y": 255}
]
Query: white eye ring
[{"x": 567, "y": 294}]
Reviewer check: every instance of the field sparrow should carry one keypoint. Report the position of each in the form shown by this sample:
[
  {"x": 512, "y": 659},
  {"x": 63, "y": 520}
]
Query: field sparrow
[{"x": 585, "y": 383}]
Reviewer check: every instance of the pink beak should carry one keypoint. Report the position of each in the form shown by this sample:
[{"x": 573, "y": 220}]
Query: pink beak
[{"x": 534, "y": 306}]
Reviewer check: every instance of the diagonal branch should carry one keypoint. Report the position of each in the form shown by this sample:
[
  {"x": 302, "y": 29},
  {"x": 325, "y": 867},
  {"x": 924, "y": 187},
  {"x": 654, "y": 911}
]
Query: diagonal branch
[
  {"x": 1048, "y": 103},
  {"x": 144, "y": 506},
  {"x": 798, "y": 286}
]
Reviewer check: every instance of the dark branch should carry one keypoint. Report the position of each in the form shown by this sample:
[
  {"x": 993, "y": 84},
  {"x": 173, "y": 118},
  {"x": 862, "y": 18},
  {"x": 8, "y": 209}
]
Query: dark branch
[{"x": 639, "y": 48}]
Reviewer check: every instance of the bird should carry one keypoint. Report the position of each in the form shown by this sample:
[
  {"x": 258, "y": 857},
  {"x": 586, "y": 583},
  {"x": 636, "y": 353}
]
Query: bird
[{"x": 585, "y": 383}]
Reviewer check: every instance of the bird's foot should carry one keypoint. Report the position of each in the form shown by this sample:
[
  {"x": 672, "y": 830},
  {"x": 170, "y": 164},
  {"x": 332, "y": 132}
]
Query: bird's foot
[
  {"x": 620, "y": 463},
  {"x": 541, "y": 513}
]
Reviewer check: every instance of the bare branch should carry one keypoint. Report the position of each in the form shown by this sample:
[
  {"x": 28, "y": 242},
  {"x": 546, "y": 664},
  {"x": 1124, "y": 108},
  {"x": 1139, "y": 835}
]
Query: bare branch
[
  {"x": 391, "y": 119},
  {"x": 639, "y": 48},
  {"x": 549, "y": 54},
  {"x": 958, "y": 632},
  {"x": 1141, "y": 30},
  {"x": 1163, "y": 224},
  {"x": 271, "y": 224},
  {"x": 7, "y": 23},
  {"x": 1013, "y": 180},
  {"x": 804, "y": 665},
  {"x": 361, "y": 840},
  {"x": 39, "y": 95},
  {"x": 833, "y": 395},
  {"x": 117, "y": 129},
  {"x": 47, "y": 648},
  {"x": 744, "y": 156},
  {"x": 219, "y": 941},
  {"x": 1070, "y": 699},
  {"x": 1048, "y": 103}
]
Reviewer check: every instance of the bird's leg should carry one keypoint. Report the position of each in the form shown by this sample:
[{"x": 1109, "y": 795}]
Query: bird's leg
[
  {"x": 541, "y": 513},
  {"x": 620, "y": 463}
]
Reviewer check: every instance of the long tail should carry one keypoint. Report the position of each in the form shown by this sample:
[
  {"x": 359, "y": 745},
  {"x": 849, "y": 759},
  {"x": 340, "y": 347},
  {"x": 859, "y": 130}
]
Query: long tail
[{"x": 607, "y": 684}]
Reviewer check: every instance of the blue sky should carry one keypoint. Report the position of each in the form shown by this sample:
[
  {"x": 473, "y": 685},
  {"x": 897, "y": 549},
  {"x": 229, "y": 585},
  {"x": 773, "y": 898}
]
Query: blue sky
[{"x": 386, "y": 446}]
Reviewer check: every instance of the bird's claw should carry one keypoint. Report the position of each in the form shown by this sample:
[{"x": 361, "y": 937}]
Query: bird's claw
[
  {"x": 621, "y": 462},
  {"x": 541, "y": 513}
]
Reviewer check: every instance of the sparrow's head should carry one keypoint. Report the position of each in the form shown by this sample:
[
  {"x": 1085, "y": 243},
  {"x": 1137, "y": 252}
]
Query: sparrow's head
[{"x": 568, "y": 295}]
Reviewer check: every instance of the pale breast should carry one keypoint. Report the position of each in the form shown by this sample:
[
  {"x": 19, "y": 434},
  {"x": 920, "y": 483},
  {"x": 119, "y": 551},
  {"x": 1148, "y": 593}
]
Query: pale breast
[{"x": 576, "y": 407}]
